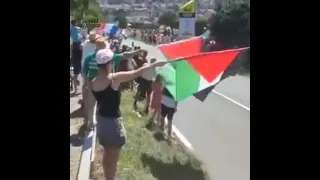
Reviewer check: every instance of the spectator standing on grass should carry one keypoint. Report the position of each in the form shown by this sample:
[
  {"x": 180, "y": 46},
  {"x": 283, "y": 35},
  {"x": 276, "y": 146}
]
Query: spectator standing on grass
[
  {"x": 155, "y": 101},
  {"x": 90, "y": 71},
  {"x": 168, "y": 108},
  {"x": 110, "y": 130},
  {"x": 76, "y": 52},
  {"x": 124, "y": 67},
  {"x": 145, "y": 84},
  {"x": 88, "y": 48}
]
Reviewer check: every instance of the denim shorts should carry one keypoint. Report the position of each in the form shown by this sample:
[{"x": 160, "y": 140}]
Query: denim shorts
[{"x": 110, "y": 132}]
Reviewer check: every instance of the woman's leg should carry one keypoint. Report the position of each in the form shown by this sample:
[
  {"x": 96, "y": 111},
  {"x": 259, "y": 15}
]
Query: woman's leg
[
  {"x": 109, "y": 162},
  {"x": 150, "y": 122},
  {"x": 148, "y": 94},
  {"x": 112, "y": 136},
  {"x": 146, "y": 110},
  {"x": 90, "y": 111},
  {"x": 164, "y": 112},
  {"x": 162, "y": 123},
  {"x": 137, "y": 97},
  {"x": 157, "y": 119},
  {"x": 170, "y": 117},
  {"x": 85, "y": 103}
]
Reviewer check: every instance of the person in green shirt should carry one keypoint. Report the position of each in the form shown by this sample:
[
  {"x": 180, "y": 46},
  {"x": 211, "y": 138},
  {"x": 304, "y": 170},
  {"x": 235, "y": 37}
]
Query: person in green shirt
[{"x": 90, "y": 71}]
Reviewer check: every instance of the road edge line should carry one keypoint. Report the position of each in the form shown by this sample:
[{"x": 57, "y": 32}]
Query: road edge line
[
  {"x": 180, "y": 136},
  {"x": 231, "y": 100}
]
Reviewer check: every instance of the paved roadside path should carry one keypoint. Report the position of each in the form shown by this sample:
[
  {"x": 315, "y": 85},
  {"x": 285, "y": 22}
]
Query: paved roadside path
[
  {"x": 75, "y": 149},
  {"x": 218, "y": 129}
]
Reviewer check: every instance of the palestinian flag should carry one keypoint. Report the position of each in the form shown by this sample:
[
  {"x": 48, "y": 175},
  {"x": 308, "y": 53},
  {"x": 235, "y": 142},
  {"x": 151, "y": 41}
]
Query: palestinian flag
[
  {"x": 188, "y": 75},
  {"x": 193, "y": 71}
]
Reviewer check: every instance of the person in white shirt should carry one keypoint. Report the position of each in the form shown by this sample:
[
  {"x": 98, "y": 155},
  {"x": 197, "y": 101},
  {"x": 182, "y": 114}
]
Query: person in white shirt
[
  {"x": 168, "y": 108},
  {"x": 88, "y": 46},
  {"x": 148, "y": 76},
  {"x": 124, "y": 33}
]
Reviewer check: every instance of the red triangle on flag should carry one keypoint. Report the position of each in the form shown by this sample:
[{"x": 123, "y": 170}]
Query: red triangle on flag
[
  {"x": 210, "y": 65},
  {"x": 182, "y": 48}
]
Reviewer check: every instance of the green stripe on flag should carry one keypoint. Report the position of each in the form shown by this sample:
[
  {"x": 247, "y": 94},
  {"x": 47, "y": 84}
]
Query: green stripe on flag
[
  {"x": 187, "y": 80},
  {"x": 168, "y": 73},
  {"x": 180, "y": 79}
]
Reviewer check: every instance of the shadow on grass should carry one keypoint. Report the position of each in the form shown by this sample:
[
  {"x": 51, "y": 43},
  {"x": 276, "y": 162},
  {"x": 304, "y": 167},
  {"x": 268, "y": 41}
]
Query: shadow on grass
[
  {"x": 78, "y": 139},
  {"x": 171, "y": 171},
  {"x": 142, "y": 112},
  {"x": 77, "y": 113},
  {"x": 74, "y": 94},
  {"x": 159, "y": 136}
]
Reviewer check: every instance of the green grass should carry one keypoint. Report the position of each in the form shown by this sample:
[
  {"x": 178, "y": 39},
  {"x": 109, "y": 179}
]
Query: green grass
[{"x": 145, "y": 158}]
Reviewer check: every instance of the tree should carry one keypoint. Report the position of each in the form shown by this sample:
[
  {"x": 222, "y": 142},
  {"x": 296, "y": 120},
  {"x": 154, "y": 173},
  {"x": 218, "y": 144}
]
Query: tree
[
  {"x": 122, "y": 21},
  {"x": 119, "y": 12},
  {"x": 85, "y": 4},
  {"x": 80, "y": 9},
  {"x": 199, "y": 26},
  {"x": 230, "y": 26},
  {"x": 168, "y": 19}
]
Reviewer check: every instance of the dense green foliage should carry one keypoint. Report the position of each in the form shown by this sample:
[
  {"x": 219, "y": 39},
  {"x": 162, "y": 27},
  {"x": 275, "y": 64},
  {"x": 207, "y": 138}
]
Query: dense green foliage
[
  {"x": 122, "y": 21},
  {"x": 86, "y": 9},
  {"x": 168, "y": 19},
  {"x": 199, "y": 26},
  {"x": 230, "y": 25}
]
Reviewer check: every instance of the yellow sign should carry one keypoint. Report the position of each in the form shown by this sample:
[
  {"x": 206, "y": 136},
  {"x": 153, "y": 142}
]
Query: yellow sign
[{"x": 189, "y": 7}]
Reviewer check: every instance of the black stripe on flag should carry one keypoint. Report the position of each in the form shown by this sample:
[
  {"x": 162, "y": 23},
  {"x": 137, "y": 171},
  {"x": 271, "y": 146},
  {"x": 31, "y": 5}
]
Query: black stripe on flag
[{"x": 240, "y": 62}]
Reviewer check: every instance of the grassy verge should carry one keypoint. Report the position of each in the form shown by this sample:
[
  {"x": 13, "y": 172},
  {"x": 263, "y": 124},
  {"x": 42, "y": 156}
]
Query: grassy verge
[{"x": 146, "y": 158}]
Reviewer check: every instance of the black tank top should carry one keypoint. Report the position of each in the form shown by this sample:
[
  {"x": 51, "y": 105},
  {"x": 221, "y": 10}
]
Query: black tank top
[{"x": 108, "y": 102}]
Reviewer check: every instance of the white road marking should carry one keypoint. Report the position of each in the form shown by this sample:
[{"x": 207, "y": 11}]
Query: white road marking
[
  {"x": 184, "y": 140},
  {"x": 180, "y": 136},
  {"x": 235, "y": 102}
]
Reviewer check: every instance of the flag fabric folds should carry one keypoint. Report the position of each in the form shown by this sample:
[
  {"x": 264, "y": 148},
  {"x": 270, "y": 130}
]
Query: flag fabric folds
[
  {"x": 194, "y": 71},
  {"x": 185, "y": 76}
]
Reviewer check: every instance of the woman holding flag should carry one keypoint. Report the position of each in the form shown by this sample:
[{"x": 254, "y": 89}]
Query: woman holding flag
[{"x": 105, "y": 88}]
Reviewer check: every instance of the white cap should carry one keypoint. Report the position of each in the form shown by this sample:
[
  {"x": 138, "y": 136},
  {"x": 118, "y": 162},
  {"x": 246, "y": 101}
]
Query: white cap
[{"x": 104, "y": 56}]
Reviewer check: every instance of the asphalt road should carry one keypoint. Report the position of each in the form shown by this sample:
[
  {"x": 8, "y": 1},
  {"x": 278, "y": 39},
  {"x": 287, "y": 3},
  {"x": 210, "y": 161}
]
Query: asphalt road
[{"x": 218, "y": 129}]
